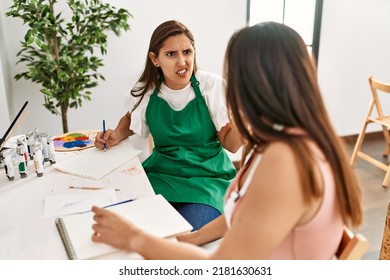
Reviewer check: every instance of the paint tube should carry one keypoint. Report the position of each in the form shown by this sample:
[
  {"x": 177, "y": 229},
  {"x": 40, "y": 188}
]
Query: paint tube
[
  {"x": 9, "y": 164},
  {"x": 21, "y": 142},
  {"x": 21, "y": 160},
  {"x": 30, "y": 138},
  {"x": 45, "y": 149},
  {"x": 51, "y": 150},
  {"x": 38, "y": 158}
]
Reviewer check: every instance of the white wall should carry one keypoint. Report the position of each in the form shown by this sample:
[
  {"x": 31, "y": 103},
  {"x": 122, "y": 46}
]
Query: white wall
[
  {"x": 4, "y": 104},
  {"x": 210, "y": 25},
  {"x": 4, "y": 114},
  {"x": 355, "y": 43}
]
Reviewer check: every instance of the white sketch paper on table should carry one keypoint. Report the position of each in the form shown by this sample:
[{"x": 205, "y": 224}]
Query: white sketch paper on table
[{"x": 65, "y": 204}]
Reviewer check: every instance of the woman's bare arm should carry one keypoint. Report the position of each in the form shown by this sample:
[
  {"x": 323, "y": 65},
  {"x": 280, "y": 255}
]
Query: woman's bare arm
[
  {"x": 209, "y": 232},
  {"x": 230, "y": 138}
]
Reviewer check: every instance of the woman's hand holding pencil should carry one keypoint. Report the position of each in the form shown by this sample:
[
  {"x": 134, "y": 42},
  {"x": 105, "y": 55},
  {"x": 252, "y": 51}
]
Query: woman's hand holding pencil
[{"x": 106, "y": 140}]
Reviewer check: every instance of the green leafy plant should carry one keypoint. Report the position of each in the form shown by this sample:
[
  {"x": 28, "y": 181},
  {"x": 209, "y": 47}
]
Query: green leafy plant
[{"x": 59, "y": 52}]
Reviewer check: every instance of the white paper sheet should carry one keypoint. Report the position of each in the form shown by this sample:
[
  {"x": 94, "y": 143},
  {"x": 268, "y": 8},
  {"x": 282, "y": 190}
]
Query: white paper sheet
[
  {"x": 95, "y": 164},
  {"x": 65, "y": 204}
]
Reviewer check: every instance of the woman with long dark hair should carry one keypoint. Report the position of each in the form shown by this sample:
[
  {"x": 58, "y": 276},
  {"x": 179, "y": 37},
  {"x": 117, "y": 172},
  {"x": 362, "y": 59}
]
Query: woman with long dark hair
[{"x": 296, "y": 190}]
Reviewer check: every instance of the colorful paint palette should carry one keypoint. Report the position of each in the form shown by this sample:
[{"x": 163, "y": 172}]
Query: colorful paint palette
[{"x": 75, "y": 141}]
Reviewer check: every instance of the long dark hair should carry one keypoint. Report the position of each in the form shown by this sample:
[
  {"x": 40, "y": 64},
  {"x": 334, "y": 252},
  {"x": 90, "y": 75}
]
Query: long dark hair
[
  {"x": 152, "y": 76},
  {"x": 272, "y": 80}
]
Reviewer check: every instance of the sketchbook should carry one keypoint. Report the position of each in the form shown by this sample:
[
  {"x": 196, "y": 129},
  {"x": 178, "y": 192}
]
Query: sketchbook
[
  {"x": 152, "y": 214},
  {"x": 95, "y": 163}
]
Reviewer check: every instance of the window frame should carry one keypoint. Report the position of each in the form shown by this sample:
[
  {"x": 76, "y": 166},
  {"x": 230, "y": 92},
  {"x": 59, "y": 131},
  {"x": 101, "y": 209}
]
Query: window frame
[{"x": 315, "y": 45}]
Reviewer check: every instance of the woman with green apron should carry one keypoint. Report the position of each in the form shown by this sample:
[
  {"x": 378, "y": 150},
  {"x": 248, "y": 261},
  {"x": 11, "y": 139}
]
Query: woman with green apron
[
  {"x": 188, "y": 163},
  {"x": 185, "y": 112}
]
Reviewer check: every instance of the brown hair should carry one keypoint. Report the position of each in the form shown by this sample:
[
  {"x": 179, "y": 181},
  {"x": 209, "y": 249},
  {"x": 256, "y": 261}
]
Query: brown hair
[
  {"x": 152, "y": 76},
  {"x": 271, "y": 80}
]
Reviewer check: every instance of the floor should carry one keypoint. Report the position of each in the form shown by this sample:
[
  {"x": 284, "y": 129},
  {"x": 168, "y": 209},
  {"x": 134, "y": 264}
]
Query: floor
[{"x": 375, "y": 197}]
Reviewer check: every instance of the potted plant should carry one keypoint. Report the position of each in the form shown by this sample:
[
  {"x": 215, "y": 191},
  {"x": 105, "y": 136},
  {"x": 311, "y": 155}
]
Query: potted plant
[{"x": 59, "y": 52}]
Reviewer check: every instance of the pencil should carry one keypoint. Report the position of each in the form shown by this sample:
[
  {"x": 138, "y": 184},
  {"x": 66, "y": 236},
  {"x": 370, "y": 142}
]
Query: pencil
[
  {"x": 89, "y": 188},
  {"x": 104, "y": 132},
  {"x": 118, "y": 203}
]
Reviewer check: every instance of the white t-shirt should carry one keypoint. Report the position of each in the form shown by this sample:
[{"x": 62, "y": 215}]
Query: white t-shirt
[{"x": 211, "y": 87}]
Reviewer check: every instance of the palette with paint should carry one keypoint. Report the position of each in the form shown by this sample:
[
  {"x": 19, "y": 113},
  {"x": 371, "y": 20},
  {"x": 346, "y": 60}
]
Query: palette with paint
[{"x": 75, "y": 141}]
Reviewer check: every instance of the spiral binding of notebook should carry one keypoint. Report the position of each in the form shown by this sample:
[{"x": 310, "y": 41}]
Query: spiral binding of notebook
[{"x": 65, "y": 239}]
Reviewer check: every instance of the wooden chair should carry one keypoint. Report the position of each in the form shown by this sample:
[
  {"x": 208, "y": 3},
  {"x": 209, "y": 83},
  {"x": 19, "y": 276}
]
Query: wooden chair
[
  {"x": 381, "y": 119},
  {"x": 352, "y": 246},
  {"x": 385, "y": 248}
]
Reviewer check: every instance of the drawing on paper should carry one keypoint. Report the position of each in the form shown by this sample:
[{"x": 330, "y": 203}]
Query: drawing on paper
[{"x": 132, "y": 171}]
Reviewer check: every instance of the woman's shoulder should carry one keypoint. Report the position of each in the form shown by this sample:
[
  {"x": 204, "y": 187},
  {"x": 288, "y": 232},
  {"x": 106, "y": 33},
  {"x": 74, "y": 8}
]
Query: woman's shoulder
[
  {"x": 133, "y": 98},
  {"x": 210, "y": 84},
  {"x": 278, "y": 147},
  {"x": 138, "y": 88},
  {"x": 283, "y": 154},
  {"x": 278, "y": 151},
  {"x": 202, "y": 74},
  {"x": 208, "y": 78}
]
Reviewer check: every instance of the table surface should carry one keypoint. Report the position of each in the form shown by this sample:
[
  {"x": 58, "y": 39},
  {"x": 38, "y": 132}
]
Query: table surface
[{"x": 24, "y": 231}]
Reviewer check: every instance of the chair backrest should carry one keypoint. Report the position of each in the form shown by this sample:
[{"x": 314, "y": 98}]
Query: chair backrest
[
  {"x": 376, "y": 86},
  {"x": 385, "y": 248},
  {"x": 352, "y": 246}
]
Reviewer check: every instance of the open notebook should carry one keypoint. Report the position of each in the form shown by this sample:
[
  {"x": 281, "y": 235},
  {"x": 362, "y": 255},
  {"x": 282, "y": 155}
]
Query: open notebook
[
  {"x": 153, "y": 214},
  {"x": 95, "y": 164}
]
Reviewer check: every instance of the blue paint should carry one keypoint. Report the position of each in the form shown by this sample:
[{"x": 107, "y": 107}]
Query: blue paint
[{"x": 77, "y": 143}]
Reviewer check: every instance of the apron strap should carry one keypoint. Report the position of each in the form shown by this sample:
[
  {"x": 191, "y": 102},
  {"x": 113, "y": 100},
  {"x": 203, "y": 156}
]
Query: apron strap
[
  {"x": 195, "y": 85},
  {"x": 155, "y": 92}
]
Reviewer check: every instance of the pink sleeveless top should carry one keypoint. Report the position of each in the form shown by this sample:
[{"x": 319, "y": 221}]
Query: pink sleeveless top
[{"x": 317, "y": 239}]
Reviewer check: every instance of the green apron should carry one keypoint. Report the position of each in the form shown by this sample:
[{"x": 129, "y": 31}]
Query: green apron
[{"x": 188, "y": 163}]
